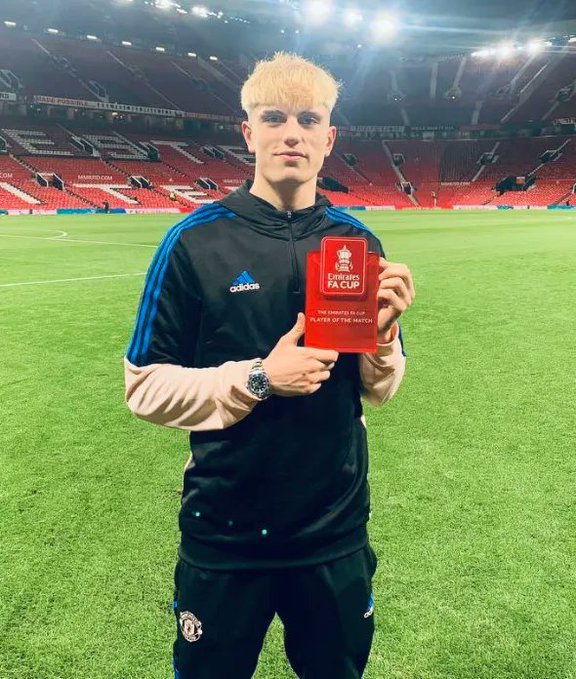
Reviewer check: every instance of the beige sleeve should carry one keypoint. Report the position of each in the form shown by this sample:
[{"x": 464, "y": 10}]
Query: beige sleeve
[
  {"x": 193, "y": 399},
  {"x": 382, "y": 372}
]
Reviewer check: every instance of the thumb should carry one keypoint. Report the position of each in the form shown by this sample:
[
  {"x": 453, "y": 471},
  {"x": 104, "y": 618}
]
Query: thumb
[{"x": 296, "y": 332}]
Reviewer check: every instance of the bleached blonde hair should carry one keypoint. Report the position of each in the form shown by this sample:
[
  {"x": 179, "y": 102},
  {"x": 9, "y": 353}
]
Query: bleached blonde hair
[{"x": 289, "y": 80}]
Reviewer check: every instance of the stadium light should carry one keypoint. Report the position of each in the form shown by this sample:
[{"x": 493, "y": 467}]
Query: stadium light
[
  {"x": 385, "y": 27},
  {"x": 316, "y": 11},
  {"x": 192, "y": 54},
  {"x": 572, "y": 39},
  {"x": 92, "y": 37},
  {"x": 200, "y": 11},
  {"x": 181, "y": 11},
  {"x": 482, "y": 54},
  {"x": 505, "y": 50},
  {"x": 160, "y": 49},
  {"x": 54, "y": 31},
  {"x": 213, "y": 58},
  {"x": 126, "y": 43},
  {"x": 10, "y": 24},
  {"x": 352, "y": 17},
  {"x": 163, "y": 4},
  {"x": 535, "y": 46}
]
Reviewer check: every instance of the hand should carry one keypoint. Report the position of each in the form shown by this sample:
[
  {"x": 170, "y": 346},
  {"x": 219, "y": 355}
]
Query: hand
[
  {"x": 395, "y": 294},
  {"x": 294, "y": 370}
]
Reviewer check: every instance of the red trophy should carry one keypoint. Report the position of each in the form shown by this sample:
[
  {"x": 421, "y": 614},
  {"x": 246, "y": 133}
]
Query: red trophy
[{"x": 341, "y": 303}]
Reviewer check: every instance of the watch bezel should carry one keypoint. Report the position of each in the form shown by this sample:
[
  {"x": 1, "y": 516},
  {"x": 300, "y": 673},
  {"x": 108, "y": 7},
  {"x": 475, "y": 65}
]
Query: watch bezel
[{"x": 258, "y": 382}]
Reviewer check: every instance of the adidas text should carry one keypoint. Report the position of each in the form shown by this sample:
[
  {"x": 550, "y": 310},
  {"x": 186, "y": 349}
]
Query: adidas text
[{"x": 245, "y": 286}]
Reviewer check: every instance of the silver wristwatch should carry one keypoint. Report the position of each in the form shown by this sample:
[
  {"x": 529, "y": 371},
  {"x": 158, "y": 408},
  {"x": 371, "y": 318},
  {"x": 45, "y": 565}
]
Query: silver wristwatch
[{"x": 258, "y": 381}]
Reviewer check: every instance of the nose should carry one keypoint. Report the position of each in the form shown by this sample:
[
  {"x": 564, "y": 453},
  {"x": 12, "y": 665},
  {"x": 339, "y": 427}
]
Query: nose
[{"x": 291, "y": 131}]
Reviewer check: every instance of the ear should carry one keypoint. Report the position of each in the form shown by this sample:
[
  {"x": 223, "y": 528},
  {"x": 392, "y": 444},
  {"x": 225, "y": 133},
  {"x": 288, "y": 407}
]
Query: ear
[
  {"x": 247, "y": 134},
  {"x": 330, "y": 141}
]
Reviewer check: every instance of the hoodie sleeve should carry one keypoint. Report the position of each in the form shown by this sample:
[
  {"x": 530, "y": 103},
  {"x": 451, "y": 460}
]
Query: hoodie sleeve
[
  {"x": 161, "y": 386},
  {"x": 382, "y": 372}
]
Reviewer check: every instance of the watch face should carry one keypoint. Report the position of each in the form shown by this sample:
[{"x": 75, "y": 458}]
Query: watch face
[{"x": 259, "y": 384}]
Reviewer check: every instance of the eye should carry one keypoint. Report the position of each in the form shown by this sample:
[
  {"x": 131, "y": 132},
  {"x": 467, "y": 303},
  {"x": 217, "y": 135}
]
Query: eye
[
  {"x": 309, "y": 120},
  {"x": 274, "y": 118}
]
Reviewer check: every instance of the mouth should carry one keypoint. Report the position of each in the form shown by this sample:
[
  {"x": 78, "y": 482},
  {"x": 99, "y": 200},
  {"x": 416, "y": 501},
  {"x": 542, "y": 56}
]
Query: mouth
[{"x": 291, "y": 154}]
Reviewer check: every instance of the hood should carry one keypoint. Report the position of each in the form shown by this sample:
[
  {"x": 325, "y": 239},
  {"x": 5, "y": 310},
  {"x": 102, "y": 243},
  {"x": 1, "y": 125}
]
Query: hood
[{"x": 263, "y": 217}]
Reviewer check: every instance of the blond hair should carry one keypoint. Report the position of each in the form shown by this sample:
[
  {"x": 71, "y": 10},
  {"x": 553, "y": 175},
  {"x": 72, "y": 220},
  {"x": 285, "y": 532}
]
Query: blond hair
[{"x": 289, "y": 80}]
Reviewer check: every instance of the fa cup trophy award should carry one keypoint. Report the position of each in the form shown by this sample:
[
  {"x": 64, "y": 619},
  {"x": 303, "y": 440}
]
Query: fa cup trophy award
[{"x": 341, "y": 303}]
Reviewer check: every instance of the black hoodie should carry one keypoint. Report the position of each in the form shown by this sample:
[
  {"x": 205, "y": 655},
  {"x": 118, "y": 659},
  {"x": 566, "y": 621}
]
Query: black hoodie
[{"x": 287, "y": 485}]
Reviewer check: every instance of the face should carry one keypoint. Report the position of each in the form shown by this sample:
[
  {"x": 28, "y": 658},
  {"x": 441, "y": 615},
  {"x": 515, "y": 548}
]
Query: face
[{"x": 290, "y": 145}]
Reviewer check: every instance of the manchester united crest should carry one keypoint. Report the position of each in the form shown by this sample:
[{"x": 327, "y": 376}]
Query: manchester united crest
[{"x": 190, "y": 626}]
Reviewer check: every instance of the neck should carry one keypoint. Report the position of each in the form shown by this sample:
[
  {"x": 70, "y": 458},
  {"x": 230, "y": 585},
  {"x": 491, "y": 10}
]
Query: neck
[{"x": 285, "y": 197}]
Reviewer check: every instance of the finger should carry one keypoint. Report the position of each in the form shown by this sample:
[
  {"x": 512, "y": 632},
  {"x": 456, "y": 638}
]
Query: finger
[
  {"x": 296, "y": 332},
  {"x": 392, "y": 300},
  {"x": 399, "y": 287},
  {"x": 323, "y": 376},
  {"x": 320, "y": 366},
  {"x": 324, "y": 355},
  {"x": 400, "y": 271}
]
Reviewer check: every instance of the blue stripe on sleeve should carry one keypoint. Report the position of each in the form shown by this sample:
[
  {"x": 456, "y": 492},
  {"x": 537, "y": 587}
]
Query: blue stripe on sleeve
[
  {"x": 148, "y": 306},
  {"x": 152, "y": 276},
  {"x": 339, "y": 216}
]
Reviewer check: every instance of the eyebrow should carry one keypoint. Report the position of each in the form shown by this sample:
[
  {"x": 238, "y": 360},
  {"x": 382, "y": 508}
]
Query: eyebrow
[{"x": 268, "y": 112}]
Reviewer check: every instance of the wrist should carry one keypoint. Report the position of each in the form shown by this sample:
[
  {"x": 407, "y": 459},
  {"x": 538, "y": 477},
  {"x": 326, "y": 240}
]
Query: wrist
[
  {"x": 387, "y": 336},
  {"x": 258, "y": 382}
]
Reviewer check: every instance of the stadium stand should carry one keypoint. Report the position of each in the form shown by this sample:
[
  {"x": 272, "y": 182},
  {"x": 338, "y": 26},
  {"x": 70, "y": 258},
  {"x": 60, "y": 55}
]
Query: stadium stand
[{"x": 96, "y": 156}]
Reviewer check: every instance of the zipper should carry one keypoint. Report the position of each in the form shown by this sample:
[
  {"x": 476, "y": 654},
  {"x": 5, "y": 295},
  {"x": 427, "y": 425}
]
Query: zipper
[{"x": 295, "y": 277}]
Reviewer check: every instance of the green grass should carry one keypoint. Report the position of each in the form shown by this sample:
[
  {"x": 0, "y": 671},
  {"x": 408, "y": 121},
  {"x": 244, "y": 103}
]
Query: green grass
[{"x": 473, "y": 472}]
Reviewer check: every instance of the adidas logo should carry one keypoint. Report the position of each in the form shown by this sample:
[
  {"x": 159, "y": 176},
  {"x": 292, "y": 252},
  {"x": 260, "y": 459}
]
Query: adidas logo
[{"x": 244, "y": 282}]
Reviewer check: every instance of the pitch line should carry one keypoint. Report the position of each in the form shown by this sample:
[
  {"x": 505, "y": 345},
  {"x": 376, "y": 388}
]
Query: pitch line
[
  {"x": 68, "y": 280},
  {"x": 61, "y": 239}
]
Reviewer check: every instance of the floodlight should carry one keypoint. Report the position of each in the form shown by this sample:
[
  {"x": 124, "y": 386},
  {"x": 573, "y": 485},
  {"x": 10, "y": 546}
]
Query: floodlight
[
  {"x": 54, "y": 31},
  {"x": 192, "y": 54},
  {"x": 385, "y": 27},
  {"x": 163, "y": 4},
  {"x": 316, "y": 11},
  {"x": 92, "y": 37},
  {"x": 160, "y": 49},
  {"x": 10, "y": 24},
  {"x": 200, "y": 11},
  {"x": 572, "y": 39},
  {"x": 352, "y": 17},
  {"x": 126, "y": 43},
  {"x": 181, "y": 11},
  {"x": 535, "y": 46},
  {"x": 481, "y": 54},
  {"x": 213, "y": 58},
  {"x": 505, "y": 50}
]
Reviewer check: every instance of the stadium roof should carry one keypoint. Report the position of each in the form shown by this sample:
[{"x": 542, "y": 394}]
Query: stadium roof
[{"x": 425, "y": 26}]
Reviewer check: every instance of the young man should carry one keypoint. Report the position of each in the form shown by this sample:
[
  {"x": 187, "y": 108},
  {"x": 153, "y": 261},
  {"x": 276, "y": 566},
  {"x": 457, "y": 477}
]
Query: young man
[{"x": 275, "y": 500}]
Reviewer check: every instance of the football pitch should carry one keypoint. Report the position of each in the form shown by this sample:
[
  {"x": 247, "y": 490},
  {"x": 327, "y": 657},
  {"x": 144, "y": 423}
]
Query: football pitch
[{"x": 473, "y": 465}]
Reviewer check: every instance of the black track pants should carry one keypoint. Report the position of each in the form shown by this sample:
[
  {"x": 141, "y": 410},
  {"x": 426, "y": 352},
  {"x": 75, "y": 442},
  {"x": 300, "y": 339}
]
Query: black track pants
[{"x": 222, "y": 618}]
